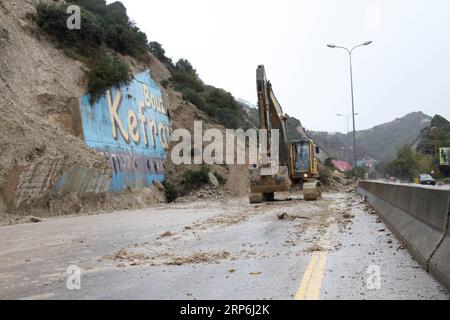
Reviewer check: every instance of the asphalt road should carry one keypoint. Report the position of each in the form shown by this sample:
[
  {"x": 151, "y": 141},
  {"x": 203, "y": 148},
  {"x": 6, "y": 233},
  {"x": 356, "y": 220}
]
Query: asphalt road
[{"x": 331, "y": 249}]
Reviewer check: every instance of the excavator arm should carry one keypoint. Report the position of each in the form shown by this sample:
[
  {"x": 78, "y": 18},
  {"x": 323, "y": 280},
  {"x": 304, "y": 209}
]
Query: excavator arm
[{"x": 271, "y": 114}]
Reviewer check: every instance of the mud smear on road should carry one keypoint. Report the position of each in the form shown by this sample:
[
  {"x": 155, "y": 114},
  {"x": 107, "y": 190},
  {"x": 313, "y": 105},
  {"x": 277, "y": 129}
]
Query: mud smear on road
[
  {"x": 307, "y": 224},
  {"x": 313, "y": 221},
  {"x": 178, "y": 246},
  {"x": 126, "y": 258}
]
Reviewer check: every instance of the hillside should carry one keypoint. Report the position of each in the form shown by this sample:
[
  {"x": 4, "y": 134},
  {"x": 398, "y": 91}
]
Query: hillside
[
  {"x": 433, "y": 137},
  {"x": 380, "y": 142},
  {"x": 46, "y": 167},
  {"x": 53, "y": 79}
]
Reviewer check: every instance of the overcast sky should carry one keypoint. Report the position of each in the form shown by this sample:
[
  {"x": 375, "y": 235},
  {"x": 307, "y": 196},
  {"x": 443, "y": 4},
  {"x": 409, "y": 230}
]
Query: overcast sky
[{"x": 407, "y": 68}]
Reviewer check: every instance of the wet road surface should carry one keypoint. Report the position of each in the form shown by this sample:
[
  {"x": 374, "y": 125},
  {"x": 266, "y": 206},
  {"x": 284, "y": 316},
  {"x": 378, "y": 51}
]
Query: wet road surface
[{"x": 335, "y": 248}]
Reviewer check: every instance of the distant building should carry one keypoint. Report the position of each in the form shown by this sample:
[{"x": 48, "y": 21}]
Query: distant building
[
  {"x": 342, "y": 166},
  {"x": 369, "y": 163}
]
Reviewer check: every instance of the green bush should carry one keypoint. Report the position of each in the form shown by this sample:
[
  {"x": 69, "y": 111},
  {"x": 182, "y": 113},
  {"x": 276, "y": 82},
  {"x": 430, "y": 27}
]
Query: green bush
[
  {"x": 193, "y": 97},
  {"x": 113, "y": 27},
  {"x": 222, "y": 180},
  {"x": 195, "y": 179},
  {"x": 158, "y": 51},
  {"x": 104, "y": 27},
  {"x": 52, "y": 19},
  {"x": 222, "y": 106},
  {"x": 329, "y": 164},
  {"x": 170, "y": 192},
  {"x": 165, "y": 84},
  {"x": 109, "y": 70},
  {"x": 184, "y": 76},
  {"x": 217, "y": 103},
  {"x": 409, "y": 164},
  {"x": 356, "y": 173}
]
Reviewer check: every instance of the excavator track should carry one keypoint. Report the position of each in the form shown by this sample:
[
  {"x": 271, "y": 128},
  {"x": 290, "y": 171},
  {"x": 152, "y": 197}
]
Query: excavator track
[
  {"x": 255, "y": 198},
  {"x": 261, "y": 197},
  {"x": 312, "y": 191}
]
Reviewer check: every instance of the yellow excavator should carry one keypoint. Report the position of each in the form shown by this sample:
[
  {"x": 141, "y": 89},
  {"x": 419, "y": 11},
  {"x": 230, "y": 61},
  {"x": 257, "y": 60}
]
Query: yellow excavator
[{"x": 297, "y": 166}]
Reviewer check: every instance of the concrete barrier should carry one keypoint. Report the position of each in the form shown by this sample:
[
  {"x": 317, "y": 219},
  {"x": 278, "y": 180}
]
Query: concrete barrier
[
  {"x": 439, "y": 265},
  {"x": 419, "y": 217}
]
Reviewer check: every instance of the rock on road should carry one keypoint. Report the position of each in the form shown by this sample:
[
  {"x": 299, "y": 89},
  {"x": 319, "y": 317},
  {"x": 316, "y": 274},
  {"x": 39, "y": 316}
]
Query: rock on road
[{"x": 335, "y": 248}]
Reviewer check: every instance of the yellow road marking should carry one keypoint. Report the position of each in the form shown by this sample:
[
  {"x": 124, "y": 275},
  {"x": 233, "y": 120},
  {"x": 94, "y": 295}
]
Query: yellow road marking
[{"x": 312, "y": 278}]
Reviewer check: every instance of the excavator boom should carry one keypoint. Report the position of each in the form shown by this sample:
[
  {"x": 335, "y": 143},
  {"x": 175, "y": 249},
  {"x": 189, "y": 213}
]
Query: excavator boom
[{"x": 271, "y": 116}]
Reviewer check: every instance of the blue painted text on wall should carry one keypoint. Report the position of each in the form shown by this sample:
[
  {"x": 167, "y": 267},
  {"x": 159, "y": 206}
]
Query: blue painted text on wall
[{"x": 130, "y": 126}]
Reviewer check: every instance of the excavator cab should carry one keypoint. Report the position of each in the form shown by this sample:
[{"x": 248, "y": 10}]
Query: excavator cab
[{"x": 304, "y": 164}]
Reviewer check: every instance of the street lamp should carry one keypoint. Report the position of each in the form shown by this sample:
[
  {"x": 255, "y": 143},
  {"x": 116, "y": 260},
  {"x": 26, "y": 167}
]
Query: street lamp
[
  {"x": 347, "y": 118},
  {"x": 348, "y": 130},
  {"x": 351, "y": 83}
]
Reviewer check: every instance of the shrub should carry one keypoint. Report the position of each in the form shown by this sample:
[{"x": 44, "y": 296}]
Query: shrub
[
  {"x": 103, "y": 26},
  {"x": 193, "y": 97},
  {"x": 409, "y": 164},
  {"x": 222, "y": 180},
  {"x": 217, "y": 103},
  {"x": 117, "y": 30},
  {"x": 158, "y": 51},
  {"x": 329, "y": 164},
  {"x": 184, "y": 76},
  {"x": 356, "y": 173},
  {"x": 109, "y": 70},
  {"x": 195, "y": 179},
  {"x": 164, "y": 84},
  {"x": 170, "y": 192}
]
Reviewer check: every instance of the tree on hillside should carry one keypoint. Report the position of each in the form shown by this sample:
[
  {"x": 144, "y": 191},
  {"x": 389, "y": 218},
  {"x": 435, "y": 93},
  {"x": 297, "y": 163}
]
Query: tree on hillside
[
  {"x": 436, "y": 136},
  {"x": 409, "y": 164},
  {"x": 158, "y": 51}
]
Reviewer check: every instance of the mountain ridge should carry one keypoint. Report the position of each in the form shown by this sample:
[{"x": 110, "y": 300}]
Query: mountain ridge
[{"x": 379, "y": 142}]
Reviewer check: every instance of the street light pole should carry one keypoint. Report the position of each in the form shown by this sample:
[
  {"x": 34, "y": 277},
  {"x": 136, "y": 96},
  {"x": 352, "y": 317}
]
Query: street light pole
[
  {"x": 347, "y": 118},
  {"x": 351, "y": 84}
]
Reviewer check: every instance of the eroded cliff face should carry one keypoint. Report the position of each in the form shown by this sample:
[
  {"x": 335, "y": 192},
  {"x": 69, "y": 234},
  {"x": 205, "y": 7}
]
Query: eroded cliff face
[
  {"x": 40, "y": 136},
  {"x": 39, "y": 139}
]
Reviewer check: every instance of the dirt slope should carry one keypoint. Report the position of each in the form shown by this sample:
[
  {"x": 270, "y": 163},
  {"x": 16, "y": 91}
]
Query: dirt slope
[
  {"x": 40, "y": 86},
  {"x": 184, "y": 114}
]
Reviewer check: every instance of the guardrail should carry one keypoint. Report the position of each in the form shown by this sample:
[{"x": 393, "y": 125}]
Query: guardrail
[{"x": 419, "y": 217}]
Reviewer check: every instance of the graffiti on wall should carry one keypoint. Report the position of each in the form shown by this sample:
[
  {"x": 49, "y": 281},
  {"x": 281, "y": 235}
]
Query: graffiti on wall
[{"x": 130, "y": 126}]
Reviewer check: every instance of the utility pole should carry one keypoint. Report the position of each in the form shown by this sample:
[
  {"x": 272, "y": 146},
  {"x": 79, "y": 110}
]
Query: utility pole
[
  {"x": 350, "y": 51},
  {"x": 347, "y": 118}
]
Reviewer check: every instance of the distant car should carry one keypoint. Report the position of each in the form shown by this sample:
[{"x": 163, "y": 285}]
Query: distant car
[{"x": 426, "y": 179}]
